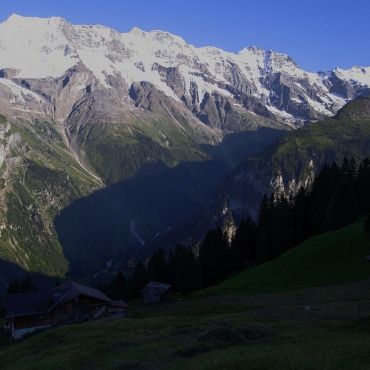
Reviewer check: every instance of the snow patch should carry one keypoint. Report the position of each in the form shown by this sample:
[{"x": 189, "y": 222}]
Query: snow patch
[
  {"x": 281, "y": 113},
  {"x": 19, "y": 92}
]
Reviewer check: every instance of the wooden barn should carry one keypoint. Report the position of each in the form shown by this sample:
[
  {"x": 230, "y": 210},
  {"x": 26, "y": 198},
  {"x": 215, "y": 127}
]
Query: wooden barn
[
  {"x": 67, "y": 303},
  {"x": 156, "y": 292}
]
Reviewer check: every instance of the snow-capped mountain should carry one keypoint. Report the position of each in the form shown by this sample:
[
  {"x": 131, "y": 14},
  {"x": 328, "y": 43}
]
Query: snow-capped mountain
[
  {"x": 108, "y": 139},
  {"x": 260, "y": 81}
]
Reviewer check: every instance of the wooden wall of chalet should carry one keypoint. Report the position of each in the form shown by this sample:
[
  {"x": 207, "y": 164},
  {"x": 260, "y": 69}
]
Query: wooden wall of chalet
[
  {"x": 32, "y": 321},
  {"x": 74, "y": 310},
  {"x": 64, "y": 313},
  {"x": 82, "y": 308}
]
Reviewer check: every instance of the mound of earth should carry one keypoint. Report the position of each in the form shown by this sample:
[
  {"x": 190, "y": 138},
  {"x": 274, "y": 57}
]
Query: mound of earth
[{"x": 224, "y": 334}]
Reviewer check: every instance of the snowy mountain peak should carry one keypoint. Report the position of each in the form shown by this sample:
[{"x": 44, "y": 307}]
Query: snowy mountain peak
[
  {"x": 137, "y": 31},
  {"x": 19, "y": 20},
  {"x": 13, "y": 18},
  {"x": 39, "y": 48}
]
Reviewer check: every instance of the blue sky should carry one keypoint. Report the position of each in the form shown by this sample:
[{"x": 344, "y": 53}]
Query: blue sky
[{"x": 318, "y": 35}]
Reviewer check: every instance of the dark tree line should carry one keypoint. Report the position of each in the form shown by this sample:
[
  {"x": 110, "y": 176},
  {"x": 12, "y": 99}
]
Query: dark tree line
[
  {"x": 338, "y": 195},
  {"x": 180, "y": 269},
  {"x": 23, "y": 286}
]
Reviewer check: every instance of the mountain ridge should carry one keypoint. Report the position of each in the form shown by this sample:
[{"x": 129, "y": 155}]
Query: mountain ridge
[
  {"x": 149, "y": 120},
  {"x": 105, "y": 52}
]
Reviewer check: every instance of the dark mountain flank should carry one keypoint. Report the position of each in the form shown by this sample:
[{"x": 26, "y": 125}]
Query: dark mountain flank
[{"x": 290, "y": 162}]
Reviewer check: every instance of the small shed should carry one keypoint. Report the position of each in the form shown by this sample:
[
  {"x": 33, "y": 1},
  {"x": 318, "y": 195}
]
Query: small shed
[
  {"x": 156, "y": 292},
  {"x": 118, "y": 309}
]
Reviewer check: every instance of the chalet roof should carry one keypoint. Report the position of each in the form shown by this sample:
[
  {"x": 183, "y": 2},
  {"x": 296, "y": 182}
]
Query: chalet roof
[
  {"x": 70, "y": 290},
  {"x": 33, "y": 303},
  {"x": 119, "y": 304},
  {"x": 24, "y": 304},
  {"x": 156, "y": 289}
]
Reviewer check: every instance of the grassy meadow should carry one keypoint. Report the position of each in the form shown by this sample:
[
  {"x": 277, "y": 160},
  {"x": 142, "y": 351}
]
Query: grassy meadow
[{"x": 254, "y": 320}]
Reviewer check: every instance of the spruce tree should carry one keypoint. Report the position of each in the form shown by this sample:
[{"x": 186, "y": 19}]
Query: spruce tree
[
  {"x": 282, "y": 226},
  {"x": 243, "y": 245},
  {"x": 323, "y": 188},
  {"x": 264, "y": 232},
  {"x": 212, "y": 256},
  {"x": 187, "y": 271},
  {"x": 157, "y": 269},
  {"x": 27, "y": 285},
  {"x": 138, "y": 280},
  {"x": 362, "y": 186},
  {"x": 300, "y": 216}
]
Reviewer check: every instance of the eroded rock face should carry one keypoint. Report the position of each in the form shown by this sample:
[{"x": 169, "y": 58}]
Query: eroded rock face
[
  {"x": 8, "y": 73},
  {"x": 172, "y": 77},
  {"x": 62, "y": 93},
  {"x": 145, "y": 95}
]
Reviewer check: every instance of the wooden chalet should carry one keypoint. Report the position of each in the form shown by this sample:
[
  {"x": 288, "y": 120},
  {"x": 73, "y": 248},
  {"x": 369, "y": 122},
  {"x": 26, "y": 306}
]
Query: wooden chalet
[
  {"x": 67, "y": 303},
  {"x": 156, "y": 292}
]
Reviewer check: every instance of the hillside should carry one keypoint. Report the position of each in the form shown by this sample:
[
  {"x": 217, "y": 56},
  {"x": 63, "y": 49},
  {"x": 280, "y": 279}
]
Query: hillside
[
  {"x": 233, "y": 325},
  {"x": 334, "y": 257},
  {"x": 39, "y": 177}
]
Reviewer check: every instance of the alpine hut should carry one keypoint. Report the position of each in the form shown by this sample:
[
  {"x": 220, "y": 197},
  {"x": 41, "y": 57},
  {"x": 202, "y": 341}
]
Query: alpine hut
[{"x": 156, "y": 292}]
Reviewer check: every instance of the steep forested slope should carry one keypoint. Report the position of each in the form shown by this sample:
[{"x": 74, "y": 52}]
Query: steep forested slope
[{"x": 291, "y": 161}]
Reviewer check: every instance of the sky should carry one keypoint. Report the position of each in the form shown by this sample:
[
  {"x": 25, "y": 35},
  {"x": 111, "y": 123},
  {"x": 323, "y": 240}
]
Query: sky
[{"x": 318, "y": 34}]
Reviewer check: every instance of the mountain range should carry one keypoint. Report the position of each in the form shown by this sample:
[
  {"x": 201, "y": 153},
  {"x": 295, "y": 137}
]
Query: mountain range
[{"x": 111, "y": 140}]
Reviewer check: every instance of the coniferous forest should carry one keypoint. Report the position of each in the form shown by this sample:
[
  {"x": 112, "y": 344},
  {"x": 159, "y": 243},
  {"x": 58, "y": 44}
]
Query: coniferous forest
[{"x": 338, "y": 196}]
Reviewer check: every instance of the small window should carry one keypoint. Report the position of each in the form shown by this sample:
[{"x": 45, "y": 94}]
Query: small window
[{"x": 63, "y": 311}]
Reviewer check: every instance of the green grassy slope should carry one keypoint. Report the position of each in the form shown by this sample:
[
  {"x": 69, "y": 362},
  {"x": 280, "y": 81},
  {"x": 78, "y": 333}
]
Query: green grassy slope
[
  {"x": 331, "y": 258},
  {"x": 172, "y": 343},
  {"x": 216, "y": 329}
]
